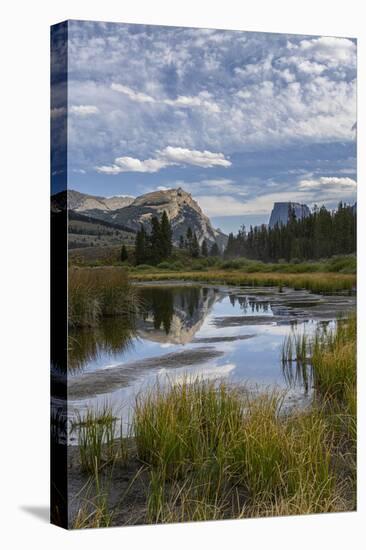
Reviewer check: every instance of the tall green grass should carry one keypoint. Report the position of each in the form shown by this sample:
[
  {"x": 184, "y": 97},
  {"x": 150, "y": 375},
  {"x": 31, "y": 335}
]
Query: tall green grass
[
  {"x": 94, "y": 293},
  {"x": 332, "y": 356},
  {"x": 98, "y": 440},
  {"x": 217, "y": 453}
]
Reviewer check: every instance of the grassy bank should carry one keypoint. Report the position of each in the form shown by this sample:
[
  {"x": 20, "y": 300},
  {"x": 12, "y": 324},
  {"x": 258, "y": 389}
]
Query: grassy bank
[
  {"x": 213, "y": 452},
  {"x": 315, "y": 282},
  {"x": 94, "y": 293},
  {"x": 180, "y": 260}
]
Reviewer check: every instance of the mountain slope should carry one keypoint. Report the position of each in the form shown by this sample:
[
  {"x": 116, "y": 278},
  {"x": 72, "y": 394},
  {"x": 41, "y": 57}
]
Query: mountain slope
[
  {"x": 81, "y": 202},
  {"x": 182, "y": 210}
]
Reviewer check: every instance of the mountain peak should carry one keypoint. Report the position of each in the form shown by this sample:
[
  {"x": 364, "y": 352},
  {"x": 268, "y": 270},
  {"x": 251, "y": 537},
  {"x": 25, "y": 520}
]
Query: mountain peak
[{"x": 182, "y": 210}]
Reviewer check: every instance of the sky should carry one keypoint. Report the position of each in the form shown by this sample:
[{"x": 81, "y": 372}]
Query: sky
[{"x": 238, "y": 119}]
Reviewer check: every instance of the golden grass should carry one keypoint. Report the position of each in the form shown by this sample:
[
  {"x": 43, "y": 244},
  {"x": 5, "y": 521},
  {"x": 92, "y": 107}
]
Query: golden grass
[{"x": 316, "y": 282}]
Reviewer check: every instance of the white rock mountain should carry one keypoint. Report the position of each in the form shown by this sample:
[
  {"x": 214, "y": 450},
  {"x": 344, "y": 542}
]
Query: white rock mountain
[
  {"x": 80, "y": 202},
  {"x": 182, "y": 210}
]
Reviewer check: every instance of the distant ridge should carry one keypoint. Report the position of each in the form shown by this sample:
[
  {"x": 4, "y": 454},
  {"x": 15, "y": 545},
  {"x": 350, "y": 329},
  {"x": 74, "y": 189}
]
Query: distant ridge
[
  {"x": 182, "y": 210},
  {"x": 82, "y": 202}
]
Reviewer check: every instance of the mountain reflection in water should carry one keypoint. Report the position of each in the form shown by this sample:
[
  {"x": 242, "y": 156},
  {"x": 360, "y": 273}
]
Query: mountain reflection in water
[{"x": 210, "y": 331}]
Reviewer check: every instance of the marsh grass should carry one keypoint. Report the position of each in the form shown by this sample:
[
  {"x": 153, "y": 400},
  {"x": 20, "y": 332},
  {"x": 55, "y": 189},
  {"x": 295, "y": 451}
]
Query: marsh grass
[
  {"x": 98, "y": 441},
  {"x": 215, "y": 452},
  {"x": 332, "y": 356},
  {"x": 334, "y": 362},
  {"x": 315, "y": 282},
  {"x": 94, "y": 293}
]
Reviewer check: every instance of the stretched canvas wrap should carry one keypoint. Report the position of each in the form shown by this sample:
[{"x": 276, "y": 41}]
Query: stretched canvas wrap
[{"x": 203, "y": 274}]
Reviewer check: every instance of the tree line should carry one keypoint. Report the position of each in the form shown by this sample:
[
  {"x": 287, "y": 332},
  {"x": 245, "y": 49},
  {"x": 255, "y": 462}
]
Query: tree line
[
  {"x": 157, "y": 245},
  {"x": 322, "y": 234}
]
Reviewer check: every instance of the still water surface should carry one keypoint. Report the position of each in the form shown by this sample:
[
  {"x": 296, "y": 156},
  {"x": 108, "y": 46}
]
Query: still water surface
[{"x": 210, "y": 332}]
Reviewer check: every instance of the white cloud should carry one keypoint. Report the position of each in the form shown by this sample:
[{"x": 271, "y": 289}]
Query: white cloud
[
  {"x": 329, "y": 184},
  {"x": 135, "y": 96},
  {"x": 180, "y": 155},
  {"x": 84, "y": 110},
  {"x": 166, "y": 157},
  {"x": 331, "y": 50},
  {"x": 203, "y": 99},
  {"x": 324, "y": 190},
  {"x": 306, "y": 66},
  {"x": 220, "y": 91},
  {"x": 219, "y": 205}
]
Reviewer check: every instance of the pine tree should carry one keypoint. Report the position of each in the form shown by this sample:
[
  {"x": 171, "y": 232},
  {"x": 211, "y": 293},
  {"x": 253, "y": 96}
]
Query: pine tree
[
  {"x": 214, "y": 250},
  {"x": 166, "y": 236},
  {"x": 124, "y": 253},
  {"x": 195, "y": 247},
  {"x": 141, "y": 246},
  {"x": 230, "y": 247},
  {"x": 204, "y": 249},
  {"x": 181, "y": 242},
  {"x": 157, "y": 245},
  {"x": 189, "y": 236}
]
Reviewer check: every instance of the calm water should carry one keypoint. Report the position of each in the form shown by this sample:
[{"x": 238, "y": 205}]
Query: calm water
[{"x": 211, "y": 332}]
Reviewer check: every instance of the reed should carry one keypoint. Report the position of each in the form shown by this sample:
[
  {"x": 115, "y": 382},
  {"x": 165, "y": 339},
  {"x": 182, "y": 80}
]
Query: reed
[
  {"x": 94, "y": 293},
  {"x": 206, "y": 444},
  {"x": 98, "y": 440},
  {"x": 334, "y": 362}
]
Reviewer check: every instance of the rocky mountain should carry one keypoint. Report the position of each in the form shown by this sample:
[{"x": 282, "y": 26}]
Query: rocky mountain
[
  {"x": 81, "y": 202},
  {"x": 182, "y": 210},
  {"x": 280, "y": 211}
]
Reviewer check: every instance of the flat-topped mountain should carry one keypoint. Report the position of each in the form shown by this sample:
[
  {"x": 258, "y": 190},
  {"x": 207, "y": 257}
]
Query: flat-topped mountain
[{"x": 280, "y": 212}]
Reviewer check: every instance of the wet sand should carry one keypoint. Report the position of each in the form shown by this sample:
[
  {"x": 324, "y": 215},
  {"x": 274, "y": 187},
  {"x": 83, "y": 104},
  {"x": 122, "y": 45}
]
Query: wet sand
[{"x": 106, "y": 380}]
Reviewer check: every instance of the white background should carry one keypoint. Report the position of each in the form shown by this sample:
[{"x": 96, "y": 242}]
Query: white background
[{"x": 24, "y": 272}]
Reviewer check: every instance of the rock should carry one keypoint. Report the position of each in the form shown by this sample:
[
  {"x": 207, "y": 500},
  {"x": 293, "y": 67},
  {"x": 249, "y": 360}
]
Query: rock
[
  {"x": 280, "y": 212},
  {"x": 83, "y": 203}
]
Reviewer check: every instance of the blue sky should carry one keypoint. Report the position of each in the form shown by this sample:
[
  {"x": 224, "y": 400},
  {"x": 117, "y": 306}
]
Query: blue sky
[{"x": 238, "y": 119}]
